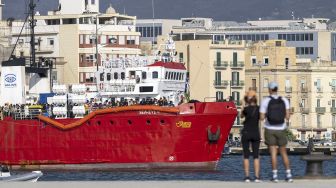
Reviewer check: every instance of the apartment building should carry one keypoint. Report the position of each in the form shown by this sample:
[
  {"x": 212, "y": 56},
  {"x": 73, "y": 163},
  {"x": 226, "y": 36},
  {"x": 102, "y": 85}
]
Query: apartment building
[
  {"x": 310, "y": 36},
  {"x": 308, "y": 85},
  {"x": 69, "y": 36},
  {"x": 216, "y": 71}
]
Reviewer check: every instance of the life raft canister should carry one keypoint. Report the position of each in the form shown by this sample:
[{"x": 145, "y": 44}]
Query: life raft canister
[{"x": 213, "y": 134}]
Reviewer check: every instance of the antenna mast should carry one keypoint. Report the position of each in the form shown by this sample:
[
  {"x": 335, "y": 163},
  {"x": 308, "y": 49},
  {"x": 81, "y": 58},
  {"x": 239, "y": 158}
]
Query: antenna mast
[
  {"x": 153, "y": 39},
  {"x": 32, "y": 24}
]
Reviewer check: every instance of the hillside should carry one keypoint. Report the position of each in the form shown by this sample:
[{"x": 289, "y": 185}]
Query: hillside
[{"x": 238, "y": 10}]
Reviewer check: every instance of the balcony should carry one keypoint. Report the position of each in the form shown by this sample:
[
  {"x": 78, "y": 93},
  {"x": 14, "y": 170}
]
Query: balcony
[
  {"x": 304, "y": 110},
  {"x": 220, "y": 83},
  {"x": 333, "y": 110},
  {"x": 304, "y": 89},
  {"x": 319, "y": 90},
  {"x": 291, "y": 110},
  {"x": 237, "y": 83},
  {"x": 221, "y": 64},
  {"x": 237, "y": 65},
  {"x": 45, "y": 50},
  {"x": 288, "y": 89},
  {"x": 320, "y": 110}
]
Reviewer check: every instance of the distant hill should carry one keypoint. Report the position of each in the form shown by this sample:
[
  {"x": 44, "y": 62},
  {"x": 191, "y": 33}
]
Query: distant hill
[{"x": 237, "y": 10}]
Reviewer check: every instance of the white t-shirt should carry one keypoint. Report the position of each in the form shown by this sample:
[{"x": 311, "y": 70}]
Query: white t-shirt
[{"x": 263, "y": 109}]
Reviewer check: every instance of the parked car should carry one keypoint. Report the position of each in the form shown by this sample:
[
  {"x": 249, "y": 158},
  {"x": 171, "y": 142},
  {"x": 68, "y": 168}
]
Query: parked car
[{"x": 327, "y": 143}]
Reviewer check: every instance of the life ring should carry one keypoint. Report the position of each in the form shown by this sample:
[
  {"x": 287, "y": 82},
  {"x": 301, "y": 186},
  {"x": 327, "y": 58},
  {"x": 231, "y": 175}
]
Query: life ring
[
  {"x": 213, "y": 134},
  {"x": 101, "y": 86}
]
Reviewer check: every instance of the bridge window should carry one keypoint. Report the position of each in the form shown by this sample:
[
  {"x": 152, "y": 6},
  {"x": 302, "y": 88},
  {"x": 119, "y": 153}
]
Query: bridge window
[
  {"x": 115, "y": 76},
  {"x": 108, "y": 76},
  {"x": 144, "y": 75},
  {"x": 155, "y": 75},
  {"x": 146, "y": 89}
]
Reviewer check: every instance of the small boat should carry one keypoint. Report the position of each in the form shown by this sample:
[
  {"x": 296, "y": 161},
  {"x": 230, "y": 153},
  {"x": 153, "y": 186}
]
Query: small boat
[{"x": 5, "y": 175}]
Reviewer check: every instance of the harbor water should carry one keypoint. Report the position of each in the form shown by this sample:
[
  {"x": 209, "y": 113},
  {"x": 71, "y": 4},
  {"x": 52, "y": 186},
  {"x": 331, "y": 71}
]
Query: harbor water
[{"x": 229, "y": 169}]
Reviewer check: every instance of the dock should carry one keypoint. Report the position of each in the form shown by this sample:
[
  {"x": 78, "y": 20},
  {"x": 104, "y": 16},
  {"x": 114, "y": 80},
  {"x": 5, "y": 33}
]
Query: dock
[
  {"x": 292, "y": 150},
  {"x": 175, "y": 184}
]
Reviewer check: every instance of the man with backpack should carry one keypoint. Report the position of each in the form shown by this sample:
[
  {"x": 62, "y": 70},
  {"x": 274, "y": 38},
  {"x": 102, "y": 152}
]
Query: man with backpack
[{"x": 274, "y": 110}]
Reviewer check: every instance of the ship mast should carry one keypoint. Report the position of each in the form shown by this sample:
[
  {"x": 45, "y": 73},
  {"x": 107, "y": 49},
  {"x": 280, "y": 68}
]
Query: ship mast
[{"x": 32, "y": 24}]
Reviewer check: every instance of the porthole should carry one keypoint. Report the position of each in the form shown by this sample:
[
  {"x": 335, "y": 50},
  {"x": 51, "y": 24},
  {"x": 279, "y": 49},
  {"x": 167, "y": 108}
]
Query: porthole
[
  {"x": 129, "y": 122},
  {"x": 88, "y": 123},
  {"x": 111, "y": 122},
  {"x": 98, "y": 122},
  {"x": 162, "y": 122},
  {"x": 148, "y": 122}
]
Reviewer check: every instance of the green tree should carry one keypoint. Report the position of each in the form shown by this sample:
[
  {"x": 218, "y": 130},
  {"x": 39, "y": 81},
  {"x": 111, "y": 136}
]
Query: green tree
[{"x": 290, "y": 135}]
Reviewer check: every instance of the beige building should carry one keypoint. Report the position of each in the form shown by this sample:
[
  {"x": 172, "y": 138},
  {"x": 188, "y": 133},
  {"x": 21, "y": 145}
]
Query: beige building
[
  {"x": 70, "y": 38},
  {"x": 216, "y": 71},
  {"x": 308, "y": 85}
]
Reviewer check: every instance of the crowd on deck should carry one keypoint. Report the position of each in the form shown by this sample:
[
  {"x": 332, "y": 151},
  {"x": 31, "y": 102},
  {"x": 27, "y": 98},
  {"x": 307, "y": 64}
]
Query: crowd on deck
[{"x": 91, "y": 105}]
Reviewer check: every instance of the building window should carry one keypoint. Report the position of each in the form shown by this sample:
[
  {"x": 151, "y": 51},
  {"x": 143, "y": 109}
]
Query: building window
[
  {"x": 286, "y": 62},
  {"x": 50, "y": 41},
  {"x": 236, "y": 97},
  {"x": 254, "y": 60},
  {"x": 122, "y": 76},
  {"x": 304, "y": 50},
  {"x": 333, "y": 121},
  {"x": 318, "y": 85},
  {"x": 90, "y": 58},
  {"x": 181, "y": 56},
  {"x": 218, "y": 58},
  {"x": 155, "y": 75},
  {"x": 235, "y": 79},
  {"x": 101, "y": 77},
  {"x": 93, "y": 2},
  {"x": 318, "y": 103},
  {"x": 266, "y": 61},
  {"x": 235, "y": 58},
  {"x": 219, "y": 96},
  {"x": 218, "y": 77}
]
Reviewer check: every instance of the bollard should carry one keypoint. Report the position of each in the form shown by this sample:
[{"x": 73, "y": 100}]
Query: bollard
[{"x": 314, "y": 167}]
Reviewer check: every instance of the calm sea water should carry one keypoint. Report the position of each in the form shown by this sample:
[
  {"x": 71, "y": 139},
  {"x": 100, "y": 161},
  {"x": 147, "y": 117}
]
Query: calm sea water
[{"x": 230, "y": 169}]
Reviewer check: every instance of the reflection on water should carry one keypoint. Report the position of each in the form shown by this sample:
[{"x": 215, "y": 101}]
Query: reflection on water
[{"x": 229, "y": 169}]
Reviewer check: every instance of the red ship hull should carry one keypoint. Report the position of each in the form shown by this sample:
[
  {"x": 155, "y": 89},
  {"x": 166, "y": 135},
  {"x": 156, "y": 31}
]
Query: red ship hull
[{"x": 193, "y": 137}]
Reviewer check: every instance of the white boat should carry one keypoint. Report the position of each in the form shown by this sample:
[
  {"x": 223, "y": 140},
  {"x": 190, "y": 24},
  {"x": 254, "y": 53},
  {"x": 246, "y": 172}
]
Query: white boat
[
  {"x": 6, "y": 176},
  {"x": 137, "y": 78}
]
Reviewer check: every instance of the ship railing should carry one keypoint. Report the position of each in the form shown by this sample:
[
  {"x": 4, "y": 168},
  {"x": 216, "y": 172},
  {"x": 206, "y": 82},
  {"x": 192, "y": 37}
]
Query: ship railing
[{"x": 24, "y": 114}]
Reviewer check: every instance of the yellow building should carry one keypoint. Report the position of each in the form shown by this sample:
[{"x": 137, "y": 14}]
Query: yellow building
[
  {"x": 216, "y": 71},
  {"x": 308, "y": 85}
]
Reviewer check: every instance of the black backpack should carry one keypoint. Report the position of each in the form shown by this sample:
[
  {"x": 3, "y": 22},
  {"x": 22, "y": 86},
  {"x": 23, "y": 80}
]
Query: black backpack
[{"x": 276, "y": 111}]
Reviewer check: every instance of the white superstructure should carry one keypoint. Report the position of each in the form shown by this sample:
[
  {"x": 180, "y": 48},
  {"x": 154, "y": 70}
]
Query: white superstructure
[{"x": 138, "y": 78}]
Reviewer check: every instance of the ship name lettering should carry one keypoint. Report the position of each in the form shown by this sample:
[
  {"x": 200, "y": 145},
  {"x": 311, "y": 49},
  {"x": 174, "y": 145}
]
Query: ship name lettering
[
  {"x": 147, "y": 112},
  {"x": 184, "y": 125}
]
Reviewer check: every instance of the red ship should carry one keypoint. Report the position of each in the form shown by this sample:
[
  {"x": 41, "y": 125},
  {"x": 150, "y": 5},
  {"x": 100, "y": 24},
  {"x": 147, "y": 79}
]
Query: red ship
[{"x": 190, "y": 136}]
